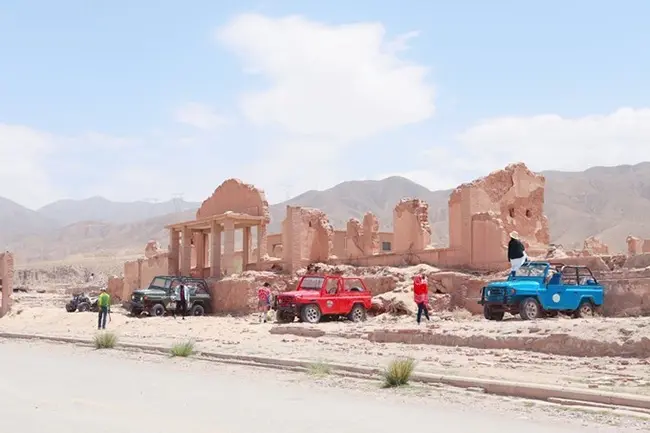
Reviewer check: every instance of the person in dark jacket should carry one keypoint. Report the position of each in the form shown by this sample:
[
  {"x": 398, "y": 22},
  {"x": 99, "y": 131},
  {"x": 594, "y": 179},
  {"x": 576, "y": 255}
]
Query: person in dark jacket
[{"x": 516, "y": 253}]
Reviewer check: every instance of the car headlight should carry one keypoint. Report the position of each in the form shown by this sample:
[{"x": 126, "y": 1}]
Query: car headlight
[
  {"x": 512, "y": 292},
  {"x": 488, "y": 293}
]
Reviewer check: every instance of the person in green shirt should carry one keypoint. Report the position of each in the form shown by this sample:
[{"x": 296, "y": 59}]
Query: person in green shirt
[{"x": 104, "y": 304}]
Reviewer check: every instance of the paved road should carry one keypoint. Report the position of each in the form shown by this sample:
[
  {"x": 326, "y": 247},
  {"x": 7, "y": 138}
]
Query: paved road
[{"x": 59, "y": 389}]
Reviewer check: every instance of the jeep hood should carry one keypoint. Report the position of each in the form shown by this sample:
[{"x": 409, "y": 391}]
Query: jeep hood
[
  {"x": 300, "y": 294},
  {"x": 516, "y": 284},
  {"x": 149, "y": 292}
]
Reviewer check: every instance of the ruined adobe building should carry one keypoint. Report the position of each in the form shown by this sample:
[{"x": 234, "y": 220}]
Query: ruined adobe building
[
  {"x": 481, "y": 214},
  {"x": 6, "y": 281}
]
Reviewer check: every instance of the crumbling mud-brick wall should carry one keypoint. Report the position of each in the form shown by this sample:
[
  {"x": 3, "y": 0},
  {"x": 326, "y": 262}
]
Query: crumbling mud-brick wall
[
  {"x": 115, "y": 288},
  {"x": 412, "y": 231},
  {"x": 139, "y": 273},
  {"x": 637, "y": 245},
  {"x": 370, "y": 234},
  {"x": 307, "y": 236},
  {"x": 514, "y": 195},
  {"x": 6, "y": 281},
  {"x": 354, "y": 239},
  {"x": 595, "y": 247}
]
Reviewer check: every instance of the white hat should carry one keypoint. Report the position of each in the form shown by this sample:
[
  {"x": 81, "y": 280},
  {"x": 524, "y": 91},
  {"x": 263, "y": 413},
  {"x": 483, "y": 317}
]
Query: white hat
[{"x": 514, "y": 235}]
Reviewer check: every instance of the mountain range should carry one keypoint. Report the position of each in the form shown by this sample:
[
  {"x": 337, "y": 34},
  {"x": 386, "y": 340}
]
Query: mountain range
[{"x": 607, "y": 202}]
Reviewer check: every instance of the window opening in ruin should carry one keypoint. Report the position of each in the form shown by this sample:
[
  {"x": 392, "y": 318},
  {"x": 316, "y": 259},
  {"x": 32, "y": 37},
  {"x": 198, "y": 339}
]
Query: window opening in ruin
[
  {"x": 528, "y": 213},
  {"x": 511, "y": 211},
  {"x": 309, "y": 224},
  {"x": 386, "y": 246}
]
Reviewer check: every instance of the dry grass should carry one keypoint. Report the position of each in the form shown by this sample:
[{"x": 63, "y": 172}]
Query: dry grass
[
  {"x": 105, "y": 340},
  {"x": 319, "y": 369},
  {"x": 399, "y": 372},
  {"x": 182, "y": 349}
]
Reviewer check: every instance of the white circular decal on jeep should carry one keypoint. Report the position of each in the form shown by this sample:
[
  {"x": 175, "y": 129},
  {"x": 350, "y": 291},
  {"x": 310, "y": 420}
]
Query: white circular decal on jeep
[
  {"x": 556, "y": 298},
  {"x": 329, "y": 304}
]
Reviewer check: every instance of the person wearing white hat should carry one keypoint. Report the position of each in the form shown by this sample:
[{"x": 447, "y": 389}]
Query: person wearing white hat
[{"x": 516, "y": 253}]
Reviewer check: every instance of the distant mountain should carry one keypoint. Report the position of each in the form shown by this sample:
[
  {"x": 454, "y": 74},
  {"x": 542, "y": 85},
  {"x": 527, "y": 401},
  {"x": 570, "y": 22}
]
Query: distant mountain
[
  {"x": 608, "y": 202},
  {"x": 99, "y": 209}
]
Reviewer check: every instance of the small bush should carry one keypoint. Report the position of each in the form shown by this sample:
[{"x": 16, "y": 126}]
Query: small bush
[
  {"x": 105, "y": 340},
  {"x": 319, "y": 369},
  {"x": 182, "y": 349},
  {"x": 399, "y": 372}
]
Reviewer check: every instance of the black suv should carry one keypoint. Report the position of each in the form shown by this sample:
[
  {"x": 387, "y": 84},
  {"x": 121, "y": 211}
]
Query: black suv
[{"x": 161, "y": 295}]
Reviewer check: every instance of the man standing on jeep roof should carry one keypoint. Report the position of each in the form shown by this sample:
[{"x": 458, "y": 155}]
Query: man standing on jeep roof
[
  {"x": 264, "y": 301},
  {"x": 103, "y": 303},
  {"x": 516, "y": 253}
]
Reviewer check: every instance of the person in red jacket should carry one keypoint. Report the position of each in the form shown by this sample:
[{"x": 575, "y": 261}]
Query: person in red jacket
[{"x": 421, "y": 296}]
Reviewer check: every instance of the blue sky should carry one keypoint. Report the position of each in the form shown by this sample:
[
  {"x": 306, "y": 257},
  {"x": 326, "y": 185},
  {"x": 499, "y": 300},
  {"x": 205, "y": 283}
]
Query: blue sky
[{"x": 145, "y": 99}]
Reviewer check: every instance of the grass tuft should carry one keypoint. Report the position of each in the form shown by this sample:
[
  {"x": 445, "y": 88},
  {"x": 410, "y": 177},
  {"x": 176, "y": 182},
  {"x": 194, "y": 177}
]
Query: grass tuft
[
  {"x": 319, "y": 369},
  {"x": 399, "y": 372},
  {"x": 182, "y": 349},
  {"x": 105, "y": 340}
]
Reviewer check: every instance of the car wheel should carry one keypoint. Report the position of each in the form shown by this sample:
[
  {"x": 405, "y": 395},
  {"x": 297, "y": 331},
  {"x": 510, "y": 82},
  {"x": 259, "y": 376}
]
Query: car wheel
[
  {"x": 70, "y": 307},
  {"x": 284, "y": 317},
  {"x": 84, "y": 306},
  {"x": 529, "y": 309},
  {"x": 157, "y": 310},
  {"x": 358, "y": 313},
  {"x": 198, "y": 310},
  {"x": 310, "y": 313},
  {"x": 586, "y": 309}
]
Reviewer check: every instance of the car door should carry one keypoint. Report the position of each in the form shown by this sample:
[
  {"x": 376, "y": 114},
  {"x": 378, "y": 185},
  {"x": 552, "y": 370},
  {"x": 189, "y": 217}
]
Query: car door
[
  {"x": 329, "y": 296},
  {"x": 552, "y": 296},
  {"x": 571, "y": 288}
]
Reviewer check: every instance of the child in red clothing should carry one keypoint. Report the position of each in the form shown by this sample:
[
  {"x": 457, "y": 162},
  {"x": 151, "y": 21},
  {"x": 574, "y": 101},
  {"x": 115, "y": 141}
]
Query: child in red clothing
[
  {"x": 264, "y": 301},
  {"x": 421, "y": 296}
]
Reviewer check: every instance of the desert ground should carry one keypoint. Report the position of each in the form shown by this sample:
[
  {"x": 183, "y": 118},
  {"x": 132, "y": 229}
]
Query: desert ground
[
  {"x": 114, "y": 391},
  {"x": 614, "y": 353}
]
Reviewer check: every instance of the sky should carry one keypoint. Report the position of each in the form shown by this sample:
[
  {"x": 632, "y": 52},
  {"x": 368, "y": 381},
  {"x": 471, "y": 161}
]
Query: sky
[{"x": 156, "y": 99}]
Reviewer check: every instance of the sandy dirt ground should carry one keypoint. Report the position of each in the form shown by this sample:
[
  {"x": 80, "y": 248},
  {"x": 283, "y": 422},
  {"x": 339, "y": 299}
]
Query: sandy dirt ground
[
  {"x": 113, "y": 391},
  {"x": 346, "y": 342}
]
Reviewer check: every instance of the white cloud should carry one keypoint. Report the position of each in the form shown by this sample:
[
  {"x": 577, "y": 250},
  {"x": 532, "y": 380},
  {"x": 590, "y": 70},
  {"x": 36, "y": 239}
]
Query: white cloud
[
  {"x": 340, "y": 82},
  {"x": 543, "y": 142},
  {"x": 198, "y": 115},
  {"x": 23, "y": 154}
]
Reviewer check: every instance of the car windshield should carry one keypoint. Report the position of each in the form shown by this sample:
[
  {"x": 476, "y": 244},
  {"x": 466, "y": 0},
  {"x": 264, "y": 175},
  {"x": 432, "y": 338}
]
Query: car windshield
[
  {"x": 161, "y": 282},
  {"x": 531, "y": 270},
  {"x": 312, "y": 283}
]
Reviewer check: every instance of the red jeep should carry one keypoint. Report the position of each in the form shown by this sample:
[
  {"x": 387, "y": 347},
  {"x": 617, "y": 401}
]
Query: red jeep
[{"x": 317, "y": 296}]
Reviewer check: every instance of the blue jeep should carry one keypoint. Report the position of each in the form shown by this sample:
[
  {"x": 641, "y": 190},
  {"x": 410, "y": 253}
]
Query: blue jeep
[{"x": 539, "y": 290}]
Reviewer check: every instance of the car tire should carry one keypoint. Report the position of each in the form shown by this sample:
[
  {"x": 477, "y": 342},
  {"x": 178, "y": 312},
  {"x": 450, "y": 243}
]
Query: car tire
[
  {"x": 358, "y": 313},
  {"x": 311, "y": 313},
  {"x": 493, "y": 315},
  {"x": 586, "y": 309},
  {"x": 529, "y": 309},
  {"x": 198, "y": 310},
  {"x": 83, "y": 307},
  {"x": 158, "y": 310},
  {"x": 284, "y": 317},
  {"x": 70, "y": 307}
]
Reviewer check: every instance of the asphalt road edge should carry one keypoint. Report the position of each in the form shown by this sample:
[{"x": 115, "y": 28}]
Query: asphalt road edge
[{"x": 549, "y": 393}]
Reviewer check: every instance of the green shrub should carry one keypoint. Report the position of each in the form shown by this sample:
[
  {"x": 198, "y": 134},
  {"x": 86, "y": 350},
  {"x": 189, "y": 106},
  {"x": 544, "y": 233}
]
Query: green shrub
[
  {"x": 399, "y": 372},
  {"x": 182, "y": 349},
  {"x": 105, "y": 340}
]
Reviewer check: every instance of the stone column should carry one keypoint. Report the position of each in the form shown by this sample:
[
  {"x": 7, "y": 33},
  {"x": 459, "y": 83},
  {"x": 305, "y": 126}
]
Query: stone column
[
  {"x": 261, "y": 242},
  {"x": 247, "y": 247},
  {"x": 174, "y": 251},
  {"x": 199, "y": 247},
  {"x": 7, "y": 277},
  {"x": 229, "y": 246},
  {"x": 215, "y": 250},
  {"x": 186, "y": 253}
]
